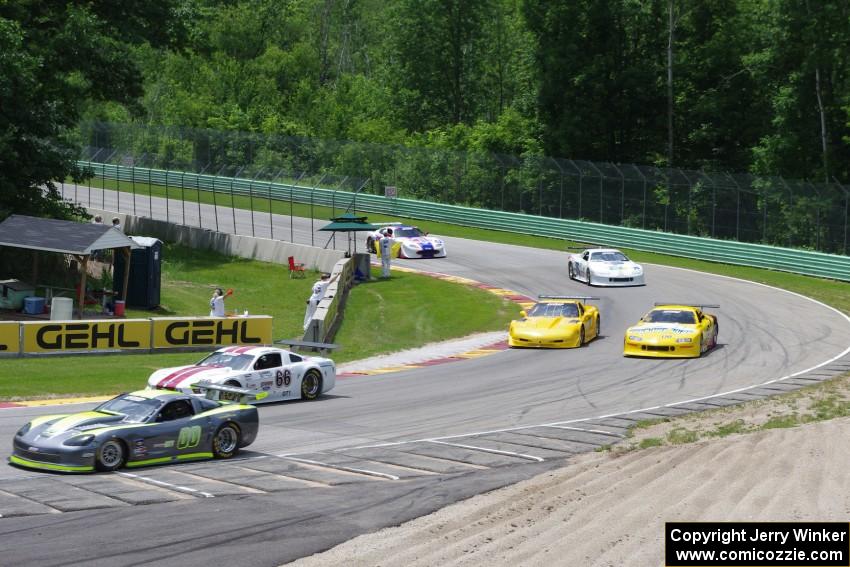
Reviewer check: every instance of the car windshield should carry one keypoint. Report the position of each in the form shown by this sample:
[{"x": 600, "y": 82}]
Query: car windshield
[
  {"x": 670, "y": 316},
  {"x": 407, "y": 232},
  {"x": 234, "y": 361},
  {"x": 608, "y": 257},
  {"x": 135, "y": 409},
  {"x": 554, "y": 310}
]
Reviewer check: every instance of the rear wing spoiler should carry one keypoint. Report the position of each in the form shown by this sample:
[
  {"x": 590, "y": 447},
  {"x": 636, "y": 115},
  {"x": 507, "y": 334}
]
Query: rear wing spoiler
[
  {"x": 388, "y": 223},
  {"x": 581, "y": 297},
  {"x": 700, "y": 305},
  {"x": 241, "y": 395}
]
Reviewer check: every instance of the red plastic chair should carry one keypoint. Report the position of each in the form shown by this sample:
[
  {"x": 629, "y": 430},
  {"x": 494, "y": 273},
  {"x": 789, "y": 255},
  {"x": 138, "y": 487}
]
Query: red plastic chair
[{"x": 296, "y": 270}]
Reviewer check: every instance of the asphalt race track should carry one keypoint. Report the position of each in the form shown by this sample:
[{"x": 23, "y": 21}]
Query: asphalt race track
[{"x": 387, "y": 448}]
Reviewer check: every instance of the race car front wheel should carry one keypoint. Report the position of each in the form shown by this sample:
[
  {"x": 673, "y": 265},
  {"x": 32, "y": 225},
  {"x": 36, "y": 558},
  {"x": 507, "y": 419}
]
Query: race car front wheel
[
  {"x": 570, "y": 271},
  {"x": 581, "y": 337},
  {"x": 110, "y": 456},
  {"x": 226, "y": 441},
  {"x": 311, "y": 385}
]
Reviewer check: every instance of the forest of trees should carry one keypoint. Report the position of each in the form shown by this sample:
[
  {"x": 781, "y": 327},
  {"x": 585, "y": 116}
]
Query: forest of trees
[{"x": 745, "y": 86}]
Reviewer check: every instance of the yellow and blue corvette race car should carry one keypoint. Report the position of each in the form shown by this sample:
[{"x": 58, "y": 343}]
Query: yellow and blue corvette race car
[
  {"x": 673, "y": 330},
  {"x": 556, "y": 321},
  {"x": 137, "y": 429}
]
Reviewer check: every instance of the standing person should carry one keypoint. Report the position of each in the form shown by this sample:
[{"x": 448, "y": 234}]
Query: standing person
[
  {"x": 116, "y": 224},
  {"x": 386, "y": 246},
  {"x": 318, "y": 293},
  {"x": 217, "y": 302}
]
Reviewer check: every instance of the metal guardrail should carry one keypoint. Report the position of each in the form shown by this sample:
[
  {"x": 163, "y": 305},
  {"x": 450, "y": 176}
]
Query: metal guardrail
[{"x": 798, "y": 261}]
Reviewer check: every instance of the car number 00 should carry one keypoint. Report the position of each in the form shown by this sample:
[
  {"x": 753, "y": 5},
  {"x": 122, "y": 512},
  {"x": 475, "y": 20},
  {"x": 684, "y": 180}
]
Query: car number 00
[{"x": 189, "y": 437}]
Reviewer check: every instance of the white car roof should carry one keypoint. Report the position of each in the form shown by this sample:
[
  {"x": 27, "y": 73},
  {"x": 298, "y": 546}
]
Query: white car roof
[{"x": 252, "y": 350}]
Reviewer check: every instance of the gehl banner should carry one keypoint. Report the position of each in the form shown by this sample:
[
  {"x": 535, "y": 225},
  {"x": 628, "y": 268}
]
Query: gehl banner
[{"x": 132, "y": 334}]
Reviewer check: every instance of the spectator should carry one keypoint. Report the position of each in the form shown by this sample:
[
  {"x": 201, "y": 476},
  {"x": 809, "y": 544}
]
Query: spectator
[
  {"x": 97, "y": 220},
  {"x": 386, "y": 247},
  {"x": 319, "y": 289},
  {"x": 116, "y": 224},
  {"x": 217, "y": 303}
]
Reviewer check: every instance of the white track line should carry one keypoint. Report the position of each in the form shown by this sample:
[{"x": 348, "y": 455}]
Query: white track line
[
  {"x": 487, "y": 450},
  {"x": 176, "y": 487},
  {"x": 597, "y": 431},
  {"x": 344, "y": 468}
]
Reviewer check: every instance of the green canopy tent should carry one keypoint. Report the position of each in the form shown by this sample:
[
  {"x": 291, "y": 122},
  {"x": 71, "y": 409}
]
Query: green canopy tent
[{"x": 349, "y": 223}]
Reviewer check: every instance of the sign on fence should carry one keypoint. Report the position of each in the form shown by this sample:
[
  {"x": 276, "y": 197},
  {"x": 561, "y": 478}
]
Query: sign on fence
[
  {"x": 391, "y": 192},
  {"x": 175, "y": 333},
  {"x": 10, "y": 337},
  {"x": 44, "y": 337}
]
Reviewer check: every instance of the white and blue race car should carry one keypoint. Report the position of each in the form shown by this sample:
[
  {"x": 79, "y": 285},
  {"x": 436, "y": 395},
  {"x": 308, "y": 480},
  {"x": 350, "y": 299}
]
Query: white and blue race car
[{"x": 408, "y": 241}]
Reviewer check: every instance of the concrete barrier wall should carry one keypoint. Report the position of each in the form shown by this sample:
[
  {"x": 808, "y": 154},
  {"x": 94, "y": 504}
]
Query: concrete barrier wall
[
  {"x": 329, "y": 312},
  {"x": 263, "y": 249}
]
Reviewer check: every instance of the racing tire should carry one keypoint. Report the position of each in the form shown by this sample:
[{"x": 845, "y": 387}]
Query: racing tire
[
  {"x": 311, "y": 385},
  {"x": 581, "y": 337},
  {"x": 598, "y": 325},
  {"x": 370, "y": 246},
  {"x": 570, "y": 271},
  {"x": 589, "y": 277},
  {"x": 226, "y": 441},
  {"x": 110, "y": 456}
]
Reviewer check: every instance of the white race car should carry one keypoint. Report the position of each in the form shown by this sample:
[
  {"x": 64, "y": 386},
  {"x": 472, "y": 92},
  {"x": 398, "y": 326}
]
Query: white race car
[
  {"x": 283, "y": 374},
  {"x": 605, "y": 267},
  {"x": 409, "y": 241}
]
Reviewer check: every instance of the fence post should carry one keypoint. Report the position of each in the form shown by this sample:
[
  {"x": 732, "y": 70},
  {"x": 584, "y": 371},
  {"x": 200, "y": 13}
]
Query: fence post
[
  {"x": 183, "y": 196},
  {"x": 215, "y": 198},
  {"x": 622, "y": 192},
  {"x": 150, "y": 191},
  {"x": 198, "y": 193},
  {"x": 846, "y": 199},
  {"x": 232, "y": 202},
  {"x": 643, "y": 213},
  {"x": 167, "y": 212}
]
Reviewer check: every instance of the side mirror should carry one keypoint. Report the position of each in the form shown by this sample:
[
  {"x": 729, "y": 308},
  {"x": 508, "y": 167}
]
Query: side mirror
[{"x": 522, "y": 313}]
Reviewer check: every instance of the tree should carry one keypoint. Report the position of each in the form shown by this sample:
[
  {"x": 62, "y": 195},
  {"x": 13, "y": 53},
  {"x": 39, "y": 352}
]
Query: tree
[{"x": 53, "y": 57}]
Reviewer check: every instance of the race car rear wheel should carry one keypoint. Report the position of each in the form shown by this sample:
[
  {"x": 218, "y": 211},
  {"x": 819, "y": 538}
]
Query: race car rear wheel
[
  {"x": 570, "y": 271},
  {"x": 226, "y": 441},
  {"x": 581, "y": 337},
  {"x": 311, "y": 385},
  {"x": 110, "y": 456},
  {"x": 598, "y": 325}
]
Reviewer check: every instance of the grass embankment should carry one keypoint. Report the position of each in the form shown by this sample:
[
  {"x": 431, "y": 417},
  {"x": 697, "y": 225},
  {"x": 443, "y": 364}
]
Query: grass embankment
[
  {"x": 819, "y": 402},
  {"x": 382, "y": 316},
  {"x": 829, "y": 291}
]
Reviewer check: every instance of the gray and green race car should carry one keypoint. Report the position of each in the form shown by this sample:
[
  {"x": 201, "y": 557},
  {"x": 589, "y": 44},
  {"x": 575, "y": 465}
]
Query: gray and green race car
[{"x": 137, "y": 429}]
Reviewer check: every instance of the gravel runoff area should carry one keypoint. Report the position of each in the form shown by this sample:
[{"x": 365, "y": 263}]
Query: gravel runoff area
[{"x": 609, "y": 508}]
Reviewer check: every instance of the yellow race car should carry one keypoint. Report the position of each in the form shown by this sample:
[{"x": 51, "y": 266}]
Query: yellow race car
[
  {"x": 556, "y": 321},
  {"x": 673, "y": 331}
]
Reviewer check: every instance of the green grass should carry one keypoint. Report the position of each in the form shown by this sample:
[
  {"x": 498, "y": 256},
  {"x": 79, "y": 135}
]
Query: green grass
[
  {"x": 408, "y": 310},
  {"x": 831, "y": 292},
  {"x": 681, "y": 435},
  {"x": 381, "y": 316},
  {"x": 650, "y": 442}
]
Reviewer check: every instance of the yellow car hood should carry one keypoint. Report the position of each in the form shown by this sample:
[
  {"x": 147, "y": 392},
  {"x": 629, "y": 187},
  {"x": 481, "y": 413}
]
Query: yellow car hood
[
  {"x": 541, "y": 326},
  {"x": 661, "y": 331}
]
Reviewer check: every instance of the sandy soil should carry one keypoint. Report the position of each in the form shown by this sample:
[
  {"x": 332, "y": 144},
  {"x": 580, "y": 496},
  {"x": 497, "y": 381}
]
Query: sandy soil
[{"x": 609, "y": 508}]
